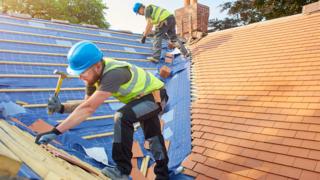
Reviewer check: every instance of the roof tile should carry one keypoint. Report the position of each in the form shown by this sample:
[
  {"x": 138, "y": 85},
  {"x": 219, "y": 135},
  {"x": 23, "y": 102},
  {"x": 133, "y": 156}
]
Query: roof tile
[
  {"x": 290, "y": 172},
  {"x": 198, "y": 149},
  {"x": 190, "y": 172},
  {"x": 198, "y": 142},
  {"x": 306, "y": 175},
  {"x": 318, "y": 167},
  {"x": 202, "y": 177},
  {"x": 298, "y": 152},
  {"x": 136, "y": 150},
  {"x": 284, "y": 159},
  {"x": 225, "y": 166},
  {"x": 150, "y": 172},
  {"x": 292, "y": 142},
  {"x": 311, "y": 144},
  {"x": 230, "y": 176},
  {"x": 197, "y": 134},
  {"x": 266, "y": 156},
  {"x": 241, "y": 170},
  {"x": 256, "y": 174},
  {"x": 305, "y": 135},
  {"x": 314, "y": 154},
  {"x": 209, "y": 144},
  {"x": 188, "y": 163},
  {"x": 305, "y": 163},
  {"x": 136, "y": 174},
  {"x": 211, "y": 153},
  {"x": 286, "y": 133},
  {"x": 200, "y": 168},
  {"x": 279, "y": 149},
  {"x": 197, "y": 157},
  {"x": 40, "y": 126},
  {"x": 275, "y": 177}
]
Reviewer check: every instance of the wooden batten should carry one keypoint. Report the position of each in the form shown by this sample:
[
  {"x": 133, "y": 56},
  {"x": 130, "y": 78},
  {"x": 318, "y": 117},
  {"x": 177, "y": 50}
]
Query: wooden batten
[
  {"x": 10, "y": 163},
  {"x": 45, "y": 164}
]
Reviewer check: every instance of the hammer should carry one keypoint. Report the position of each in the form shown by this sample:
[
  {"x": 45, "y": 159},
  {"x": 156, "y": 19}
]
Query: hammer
[{"x": 62, "y": 76}]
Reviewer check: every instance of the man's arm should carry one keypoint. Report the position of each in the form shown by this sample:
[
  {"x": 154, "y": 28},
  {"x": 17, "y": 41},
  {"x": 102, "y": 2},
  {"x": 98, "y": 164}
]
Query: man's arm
[
  {"x": 70, "y": 107},
  {"x": 148, "y": 27},
  {"x": 83, "y": 111}
]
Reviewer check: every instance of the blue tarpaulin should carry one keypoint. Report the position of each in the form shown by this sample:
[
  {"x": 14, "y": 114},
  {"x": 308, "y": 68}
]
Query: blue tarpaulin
[{"x": 40, "y": 41}]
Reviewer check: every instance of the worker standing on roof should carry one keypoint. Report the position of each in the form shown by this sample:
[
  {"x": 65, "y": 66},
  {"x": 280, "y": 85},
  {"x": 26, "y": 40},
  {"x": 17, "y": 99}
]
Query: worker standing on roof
[
  {"x": 144, "y": 95},
  {"x": 165, "y": 23}
]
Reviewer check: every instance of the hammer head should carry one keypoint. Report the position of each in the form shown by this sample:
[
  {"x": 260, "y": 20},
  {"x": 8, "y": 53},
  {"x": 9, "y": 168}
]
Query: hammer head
[{"x": 62, "y": 74}]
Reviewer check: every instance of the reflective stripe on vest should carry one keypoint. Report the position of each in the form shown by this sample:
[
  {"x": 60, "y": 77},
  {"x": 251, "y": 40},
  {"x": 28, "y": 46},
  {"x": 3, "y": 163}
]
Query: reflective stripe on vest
[
  {"x": 158, "y": 14},
  {"x": 134, "y": 81},
  {"x": 130, "y": 90}
]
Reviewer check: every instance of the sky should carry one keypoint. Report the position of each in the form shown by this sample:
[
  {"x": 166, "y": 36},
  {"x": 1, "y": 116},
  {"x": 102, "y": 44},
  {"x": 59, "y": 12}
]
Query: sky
[{"x": 121, "y": 16}]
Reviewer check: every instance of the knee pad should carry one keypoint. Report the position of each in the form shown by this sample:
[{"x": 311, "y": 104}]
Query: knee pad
[
  {"x": 156, "y": 148},
  {"x": 117, "y": 127}
]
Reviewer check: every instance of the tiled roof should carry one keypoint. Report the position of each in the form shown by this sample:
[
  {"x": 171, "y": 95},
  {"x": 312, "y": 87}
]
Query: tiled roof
[{"x": 257, "y": 102}]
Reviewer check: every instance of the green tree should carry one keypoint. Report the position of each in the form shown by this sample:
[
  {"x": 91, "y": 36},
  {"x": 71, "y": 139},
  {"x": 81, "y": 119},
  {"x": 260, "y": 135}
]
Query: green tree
[
  {"x": 217, "y": 24},
  {"x": 75, "y": 11},
  {"x": 243, "y": 12}
]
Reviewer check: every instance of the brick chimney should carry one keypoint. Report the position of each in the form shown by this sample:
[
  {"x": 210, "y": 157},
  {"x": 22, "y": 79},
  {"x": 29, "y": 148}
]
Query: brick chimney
[
  {"x": 311, "y": 8},
  {"x": 192, "y": 19}
]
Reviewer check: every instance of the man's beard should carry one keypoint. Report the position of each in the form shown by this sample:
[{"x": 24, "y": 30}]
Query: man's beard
[{"x": 94, "y": 79}]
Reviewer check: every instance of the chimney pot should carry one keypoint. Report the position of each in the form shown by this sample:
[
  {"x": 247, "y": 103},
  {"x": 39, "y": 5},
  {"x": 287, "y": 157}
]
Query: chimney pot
[{"x": 186, "y": 3}]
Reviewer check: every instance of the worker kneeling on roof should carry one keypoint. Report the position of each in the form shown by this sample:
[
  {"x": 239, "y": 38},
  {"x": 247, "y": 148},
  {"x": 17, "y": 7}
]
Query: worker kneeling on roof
[
  {"x": 144, "y": 95},
  {"x": 165, "y": 24}
]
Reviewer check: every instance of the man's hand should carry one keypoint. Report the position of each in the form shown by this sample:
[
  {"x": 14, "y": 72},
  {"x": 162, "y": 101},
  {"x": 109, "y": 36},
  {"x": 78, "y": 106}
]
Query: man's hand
[
  {"x": 54, "y": 104},
  {"x": 143, "y": 39},
  {"x": 46, "y": 137}
]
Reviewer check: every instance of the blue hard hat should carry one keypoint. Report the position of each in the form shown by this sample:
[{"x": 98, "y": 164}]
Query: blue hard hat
[
  {"x": 136, "y": 7},
  {"x": 82, "y": 56}
]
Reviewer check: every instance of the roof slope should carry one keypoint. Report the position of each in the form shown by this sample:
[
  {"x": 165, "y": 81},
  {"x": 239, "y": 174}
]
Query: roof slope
[
  {"x": 31, "y": 49},
  {"x": 257, "y": 107}
]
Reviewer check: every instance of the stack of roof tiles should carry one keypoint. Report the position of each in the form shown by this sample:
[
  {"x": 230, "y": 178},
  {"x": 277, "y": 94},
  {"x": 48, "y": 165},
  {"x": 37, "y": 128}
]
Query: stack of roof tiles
[{"x": 257, "y": 107}]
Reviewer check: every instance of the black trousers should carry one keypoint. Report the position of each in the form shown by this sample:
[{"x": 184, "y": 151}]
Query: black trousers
[
  {"x": 168, "y": 28},
  {"x": 146, "y": 111}
]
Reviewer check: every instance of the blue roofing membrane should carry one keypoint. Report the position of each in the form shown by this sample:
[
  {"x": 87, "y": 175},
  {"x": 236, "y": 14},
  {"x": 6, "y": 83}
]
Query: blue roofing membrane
[{"x": 39, "y": 42}]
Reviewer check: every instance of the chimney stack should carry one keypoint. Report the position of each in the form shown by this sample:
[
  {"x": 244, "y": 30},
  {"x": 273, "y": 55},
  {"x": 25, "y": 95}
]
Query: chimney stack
[{"x": 192, "y": 19}]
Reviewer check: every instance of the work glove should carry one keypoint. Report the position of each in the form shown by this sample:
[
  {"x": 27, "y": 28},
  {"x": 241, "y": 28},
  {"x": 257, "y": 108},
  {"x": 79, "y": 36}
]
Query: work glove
[
  {"x": 143, "y": 39},
  {"x": 54, "y": 105},
  {"x": 46, "y": 137}
]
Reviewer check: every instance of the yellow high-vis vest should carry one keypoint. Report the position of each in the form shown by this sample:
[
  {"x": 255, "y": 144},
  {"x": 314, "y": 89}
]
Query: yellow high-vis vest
[
  {"x": 141, "y": 82},
  {"x": 158, "y": 14}
]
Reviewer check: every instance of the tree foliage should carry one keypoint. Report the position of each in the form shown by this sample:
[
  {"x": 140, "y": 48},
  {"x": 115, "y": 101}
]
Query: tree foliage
[
  {"x": 75, "y": 11},
  {"x": 243, "y": 12}
]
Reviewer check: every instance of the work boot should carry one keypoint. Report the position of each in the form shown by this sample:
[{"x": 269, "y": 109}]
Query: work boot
[
  {"x": 152, "y": 59},
  {"x": 114, "y": 173},
  {"x": 188, "y": 54},
  {"x": 184, "y": 51}
]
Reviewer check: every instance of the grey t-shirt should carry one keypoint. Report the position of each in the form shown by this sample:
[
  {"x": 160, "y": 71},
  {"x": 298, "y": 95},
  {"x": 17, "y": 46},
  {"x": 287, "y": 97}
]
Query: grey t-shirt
[
  {"x": 148, "y": 12},
  {"x": 112, "y": 80}
]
